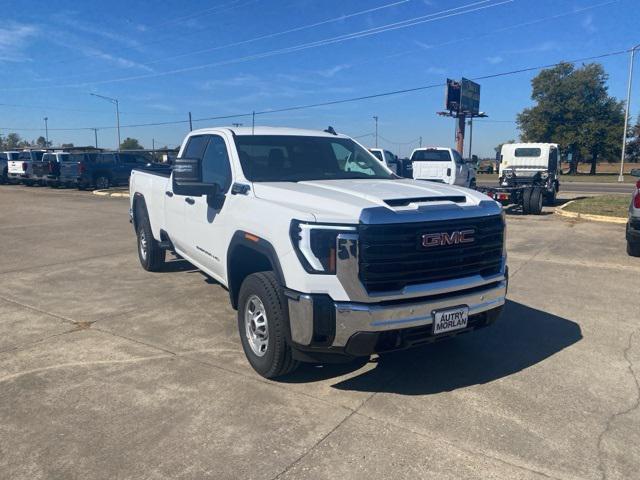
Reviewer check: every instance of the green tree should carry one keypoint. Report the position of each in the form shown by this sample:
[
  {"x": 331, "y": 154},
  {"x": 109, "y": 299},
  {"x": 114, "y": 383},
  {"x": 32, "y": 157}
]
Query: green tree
[
  {"x": 130, "y": 144},
  {"x": 67, "y": 145},
  {"x": 12, "y": 141},
  {"x": 42, "y": 142},
  {"x": 574, "y": 109},
  {"x": 633, "y": 144}
]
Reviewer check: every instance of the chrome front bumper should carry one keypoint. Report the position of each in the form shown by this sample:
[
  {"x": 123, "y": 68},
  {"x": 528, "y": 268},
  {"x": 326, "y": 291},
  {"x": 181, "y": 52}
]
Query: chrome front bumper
[{"x": 351, "y": 318}]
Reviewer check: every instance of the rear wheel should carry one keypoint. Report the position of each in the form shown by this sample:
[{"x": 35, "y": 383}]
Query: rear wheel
[
  {"x": 102, "y": 182},
  {"x": 149, "y": 252},
  {"x": 262, "y": 325},
  {"x": 535, "y": 201},
  {"x": 526, "y": 200},
  {"x": 633, "y": 249}
]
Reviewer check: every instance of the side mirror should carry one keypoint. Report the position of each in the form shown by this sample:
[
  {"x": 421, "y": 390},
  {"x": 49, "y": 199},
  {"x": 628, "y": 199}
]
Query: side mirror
[{"x": 187, "y": 179}]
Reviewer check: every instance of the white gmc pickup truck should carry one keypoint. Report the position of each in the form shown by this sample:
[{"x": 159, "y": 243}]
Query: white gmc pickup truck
[{"x": 326, "y": 254}]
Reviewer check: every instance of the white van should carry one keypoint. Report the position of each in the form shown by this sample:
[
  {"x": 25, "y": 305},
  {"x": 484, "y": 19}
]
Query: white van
[
  {"x": 445, "y": 165},
  {"x": 386, "y": 157}
]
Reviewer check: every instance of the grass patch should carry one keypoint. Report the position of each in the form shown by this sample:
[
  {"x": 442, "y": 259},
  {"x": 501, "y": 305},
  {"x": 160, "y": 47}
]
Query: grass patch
[{"x": 607, "y": 205}]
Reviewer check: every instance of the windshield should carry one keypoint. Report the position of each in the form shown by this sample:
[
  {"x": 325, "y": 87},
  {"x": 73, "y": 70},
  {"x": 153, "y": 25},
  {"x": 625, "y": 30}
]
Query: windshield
[
  {"x": 527, "y": 152},
  {"x": 283, "y": 158},
  {"x": 431, "y": 156}
]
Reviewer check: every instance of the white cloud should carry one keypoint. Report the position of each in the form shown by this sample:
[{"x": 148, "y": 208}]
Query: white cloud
[
  {"x": 494, "y": 60},
  {"x": 331, "y": 72},
  {"x": 424, "y": 46},
  {"x": 587, "y": 24},
  {"x": 14, "y": 39}
]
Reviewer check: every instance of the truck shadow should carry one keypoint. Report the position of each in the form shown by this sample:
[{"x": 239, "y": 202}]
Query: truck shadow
[{"x": 522, "y": 337}]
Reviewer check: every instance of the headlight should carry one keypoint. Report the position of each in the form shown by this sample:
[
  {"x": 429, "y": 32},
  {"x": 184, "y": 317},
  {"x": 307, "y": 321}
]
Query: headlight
[{"x": 315, "y": 245}]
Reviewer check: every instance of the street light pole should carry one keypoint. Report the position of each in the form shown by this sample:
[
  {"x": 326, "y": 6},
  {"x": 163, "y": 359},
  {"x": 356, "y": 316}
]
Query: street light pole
[
  {"x": 375, "y": 117},
  {"x": 117, "y": 104},
  {"x": 46, "y": 132},
  {"x": 95, "y": 134},
  {"x": 626, "y": 113}
]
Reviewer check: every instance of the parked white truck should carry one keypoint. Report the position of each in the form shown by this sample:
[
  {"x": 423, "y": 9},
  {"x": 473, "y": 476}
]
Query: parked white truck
[
  {"x": 326, "y": 254},
  {"x": 444, "y": 165},
  {"x": 529, "y": 176}
]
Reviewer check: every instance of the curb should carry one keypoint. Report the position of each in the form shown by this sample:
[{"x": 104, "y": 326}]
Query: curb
[
  {"x": 586, "y": 216},
  {"x": 107, "y": 193}
]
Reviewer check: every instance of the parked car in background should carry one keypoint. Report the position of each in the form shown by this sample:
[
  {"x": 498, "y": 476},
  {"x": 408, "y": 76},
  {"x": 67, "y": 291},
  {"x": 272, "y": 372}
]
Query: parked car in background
[
  {"x": 3, "y": 167},
  {"x": 633, "y": 225},
  {"x": 101, "y": 170},
  {"x": 388, "y": 158},
  {"x": 21, "y": 168},
  {"x": 47, "y": 170},
  {"x": 486, "y": 167},
  {"x": 444, "y": 165}
]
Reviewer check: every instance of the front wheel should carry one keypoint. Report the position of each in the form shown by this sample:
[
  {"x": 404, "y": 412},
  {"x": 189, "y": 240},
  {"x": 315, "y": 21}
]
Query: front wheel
[{"x": 262, "y": 325}]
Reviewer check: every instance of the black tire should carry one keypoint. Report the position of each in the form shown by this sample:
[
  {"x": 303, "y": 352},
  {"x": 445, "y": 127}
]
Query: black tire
[
  {"x": 535, "y": 201},
  {"x": 526, "y": 200},
  {"x": 5, "y": 177},
  {"x": 102, "y": 182},
  {"x": 633, "y": 249},
  {"x": 150, "y": 254},
  {"x": 277, "y": 359}
]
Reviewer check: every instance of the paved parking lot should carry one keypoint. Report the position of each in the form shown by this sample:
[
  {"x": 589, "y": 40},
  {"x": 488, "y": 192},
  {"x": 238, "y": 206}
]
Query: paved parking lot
[{"x": 107, "y": 371}]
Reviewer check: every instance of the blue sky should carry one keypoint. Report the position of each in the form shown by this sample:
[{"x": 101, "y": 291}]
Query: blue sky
[{"x": 235, "y": 56}]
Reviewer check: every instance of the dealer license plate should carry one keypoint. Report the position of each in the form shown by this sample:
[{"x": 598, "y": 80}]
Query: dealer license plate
[{"x": 450, "y": 320}]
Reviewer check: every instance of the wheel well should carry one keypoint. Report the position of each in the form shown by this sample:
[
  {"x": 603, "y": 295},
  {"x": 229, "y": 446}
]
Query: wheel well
[
  {"x": 138, "y": 203},
  {"x": 244, "y": 261}
]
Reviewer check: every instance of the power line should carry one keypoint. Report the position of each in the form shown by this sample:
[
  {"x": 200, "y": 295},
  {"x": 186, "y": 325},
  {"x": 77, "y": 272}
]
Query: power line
[
  {"x": 340, "y": 101},
  {"x": 452, "y": 12}
]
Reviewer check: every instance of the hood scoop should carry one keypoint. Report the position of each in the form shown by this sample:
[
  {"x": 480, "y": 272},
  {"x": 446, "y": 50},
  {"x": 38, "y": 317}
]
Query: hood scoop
[{"x": 403, "y": 202}]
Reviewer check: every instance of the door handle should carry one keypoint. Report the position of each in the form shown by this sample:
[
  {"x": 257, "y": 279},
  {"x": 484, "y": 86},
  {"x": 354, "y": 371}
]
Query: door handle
[
  {"x": 189, "y": 200},
  {"x": 168, "y": 194}
]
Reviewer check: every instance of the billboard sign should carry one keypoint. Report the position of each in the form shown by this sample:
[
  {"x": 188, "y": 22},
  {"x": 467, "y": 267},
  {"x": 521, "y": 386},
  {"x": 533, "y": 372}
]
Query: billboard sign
[
  {"x": 452, "y": 96},
  {"x": 469, "y": 97}
]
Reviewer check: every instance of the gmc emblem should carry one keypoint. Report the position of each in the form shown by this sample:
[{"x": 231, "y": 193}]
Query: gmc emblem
[{"x": 447, "y": 239}]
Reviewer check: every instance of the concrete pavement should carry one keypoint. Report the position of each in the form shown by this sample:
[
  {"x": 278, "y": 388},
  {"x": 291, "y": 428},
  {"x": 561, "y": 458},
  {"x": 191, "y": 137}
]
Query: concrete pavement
[{"x": 108, "y": 371}]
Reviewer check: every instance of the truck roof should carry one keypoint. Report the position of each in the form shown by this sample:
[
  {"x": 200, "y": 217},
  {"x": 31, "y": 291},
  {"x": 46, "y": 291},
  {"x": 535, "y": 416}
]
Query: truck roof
[
  {"x": 532, "y": 144},
  {"x": 269, "y": 131}
]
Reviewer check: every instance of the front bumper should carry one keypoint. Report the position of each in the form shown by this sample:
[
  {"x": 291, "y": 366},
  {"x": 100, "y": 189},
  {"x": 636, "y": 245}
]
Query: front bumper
[{"x": 319, "y": 324}]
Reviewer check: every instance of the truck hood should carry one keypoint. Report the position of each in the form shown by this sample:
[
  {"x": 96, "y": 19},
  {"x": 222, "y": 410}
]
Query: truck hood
[{"x": 343, "y": 201}]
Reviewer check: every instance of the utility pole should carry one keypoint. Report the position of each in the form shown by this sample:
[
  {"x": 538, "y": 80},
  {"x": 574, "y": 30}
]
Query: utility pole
[
  {"x": 190, "y": 123},
  {"x": 253, "y": 123},
  {"x": 460, "y": 124},
  {"x": 626, "y": 113},
  {"x": 375, "y": 117},
  {"x": 117, "y": 104},
  {"x": 46, "y": 132},
  {"x": 420, "y": 141},
  {"x": 95, "y": 135}
]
